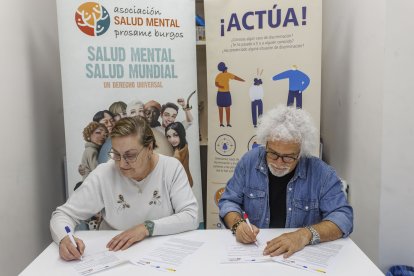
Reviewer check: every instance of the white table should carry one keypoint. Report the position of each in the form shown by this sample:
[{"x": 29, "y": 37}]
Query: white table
[{"x": 205, "y": 261}]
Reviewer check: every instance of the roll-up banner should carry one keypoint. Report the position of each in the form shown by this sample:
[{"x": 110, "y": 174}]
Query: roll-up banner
[
  {"x": 260, "y": 54},
  {"x": 127, "y": 58}
]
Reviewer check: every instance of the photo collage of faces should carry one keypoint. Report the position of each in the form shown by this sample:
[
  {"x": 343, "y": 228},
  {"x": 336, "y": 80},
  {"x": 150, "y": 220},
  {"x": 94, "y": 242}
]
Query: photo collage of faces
[{"x": 169, "y": 134}]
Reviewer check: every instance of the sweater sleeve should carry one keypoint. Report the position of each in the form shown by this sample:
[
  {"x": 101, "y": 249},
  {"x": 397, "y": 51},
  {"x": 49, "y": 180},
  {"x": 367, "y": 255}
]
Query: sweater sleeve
[
  {"x": 183, "y": 202},
  {"x": 85, "y": 202}
]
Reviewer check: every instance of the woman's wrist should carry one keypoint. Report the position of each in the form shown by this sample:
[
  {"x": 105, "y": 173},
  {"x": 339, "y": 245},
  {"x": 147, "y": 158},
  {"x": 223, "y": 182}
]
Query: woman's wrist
[{"x": 149, "y": 225}]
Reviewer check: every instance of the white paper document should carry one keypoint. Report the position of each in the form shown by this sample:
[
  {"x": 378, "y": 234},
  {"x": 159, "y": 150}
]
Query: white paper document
[
  {"x": 169, "y": 255},
  {"x": 97, "y": 258},
  {"x": 245, "y": 253},
  {"x": 97, "y": 262},
  {"x": 315, "y": 258}
]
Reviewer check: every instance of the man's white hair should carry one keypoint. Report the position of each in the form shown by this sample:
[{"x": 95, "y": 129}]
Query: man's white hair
[{"x": 288, "y": 124}]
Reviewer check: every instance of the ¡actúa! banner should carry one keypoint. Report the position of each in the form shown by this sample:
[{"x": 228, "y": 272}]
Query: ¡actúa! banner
[
  {"x": 128, "y": 58},
  {"x": 259, "y": 54}
]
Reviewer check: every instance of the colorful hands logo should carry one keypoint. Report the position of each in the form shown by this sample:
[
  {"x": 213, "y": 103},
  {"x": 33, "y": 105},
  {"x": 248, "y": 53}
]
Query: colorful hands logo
[{"x": 92, "y": 19}]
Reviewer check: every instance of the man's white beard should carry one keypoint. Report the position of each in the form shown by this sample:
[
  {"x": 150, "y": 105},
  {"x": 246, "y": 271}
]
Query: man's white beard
[{"x": 278, "y": 172}]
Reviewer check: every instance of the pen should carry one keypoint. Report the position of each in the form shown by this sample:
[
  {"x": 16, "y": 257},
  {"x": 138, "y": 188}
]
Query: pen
[
  {"x": 248, "y": 223},
  {"x": 72, "y": 240}
]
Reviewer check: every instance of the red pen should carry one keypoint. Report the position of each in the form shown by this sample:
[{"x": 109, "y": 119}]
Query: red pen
[{"x": 246, "y": 218}]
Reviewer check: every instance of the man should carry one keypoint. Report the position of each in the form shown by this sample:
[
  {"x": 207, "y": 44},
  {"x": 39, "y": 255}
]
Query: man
[
  {"x": 298, "y": 82},
  {"x": 169, "y": 113},
  {"x": 152, "y": 114},
  {"x": 279, "y": 184},
  {"x": 152, "y": 110}
]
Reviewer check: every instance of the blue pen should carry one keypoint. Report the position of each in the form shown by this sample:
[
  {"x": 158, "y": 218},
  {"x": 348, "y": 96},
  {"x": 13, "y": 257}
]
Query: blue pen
[{"x": 67, "y": 229}]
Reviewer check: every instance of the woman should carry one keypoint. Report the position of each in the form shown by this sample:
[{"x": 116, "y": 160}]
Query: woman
[
  {"x": 223, "y": 98},
  {"x": 104, "y": 117},
  {"x": 175, "y": 133},
  {"x": 118, "y": 109},
  {"x": 94, "y": 134},
  {"x": 138, "y": 191}
]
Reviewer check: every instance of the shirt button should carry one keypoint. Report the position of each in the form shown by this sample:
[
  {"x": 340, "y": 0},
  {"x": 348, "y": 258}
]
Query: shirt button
[
  {"x": 290, "y": 209},
  {"x": 251, "y": 195},
  {"x": 290, "y": 189},
  {"x": 306, "y": 207}
]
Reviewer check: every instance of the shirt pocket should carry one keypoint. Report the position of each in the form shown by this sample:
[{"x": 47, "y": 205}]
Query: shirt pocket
[
  {"x": 306, "y": 212},
  {"x": 254, "y": 205}
]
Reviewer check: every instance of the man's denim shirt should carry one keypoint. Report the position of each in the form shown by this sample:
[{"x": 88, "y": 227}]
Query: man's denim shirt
[{"x": 312, "y": 195}]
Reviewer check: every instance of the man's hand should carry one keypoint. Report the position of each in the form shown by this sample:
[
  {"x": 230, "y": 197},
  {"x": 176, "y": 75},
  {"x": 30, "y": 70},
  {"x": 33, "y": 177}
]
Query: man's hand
[
  {"x": 288, "y": 243},
  {"x": 68, "y": 251},
  {"x": 128, "y": 238},
  {"x": 245, "y": 235},
  {"x": 181, "y": 102}
]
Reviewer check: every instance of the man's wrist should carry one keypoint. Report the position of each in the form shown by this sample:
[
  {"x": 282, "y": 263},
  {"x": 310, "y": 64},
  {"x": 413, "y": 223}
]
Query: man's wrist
[
  {"x": 314, "y": 235},
  {"x": 236, "y": 225}
]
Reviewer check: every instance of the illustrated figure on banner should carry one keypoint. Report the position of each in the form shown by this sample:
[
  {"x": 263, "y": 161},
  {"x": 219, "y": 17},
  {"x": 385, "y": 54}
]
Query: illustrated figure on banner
[
  {"x": 169, "y": 112},
  {"x": 107, "y": 118},
  {"x": 152, "y": 110},
  {"x": 176, "y": 136},
  {"x": 135, "y": 108},
  {"x": 95, "y": 135},
  {"x": 256, "y": 98},
  {"x": 298, "y": 82},
  {"x": 223, "y": 99},
  {"x": 118, "y": 109}
]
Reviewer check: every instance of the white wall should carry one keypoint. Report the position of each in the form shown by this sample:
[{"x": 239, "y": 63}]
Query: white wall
[
  {"x": 397, "y": 186},
  {"x": 32, "y": 135},
  {"x": 367, "y": 120}
]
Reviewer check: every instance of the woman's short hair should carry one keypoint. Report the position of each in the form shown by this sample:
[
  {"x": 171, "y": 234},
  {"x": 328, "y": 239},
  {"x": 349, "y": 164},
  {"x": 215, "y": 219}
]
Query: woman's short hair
[
  {"x": 90, "y": 128},
  {"x": 135, "y": 126},
  {"x": 118, "y": 107},
  {"x": 179, "y": 128},
  {"x": 135, "y": 104},
  {"x": 101, "y": 114},
  {"x": 288, "y": 124}
]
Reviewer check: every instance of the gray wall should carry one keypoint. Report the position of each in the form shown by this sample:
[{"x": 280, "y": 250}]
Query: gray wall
[
  {"x": 32, "y": 136},
  {"x": 367, "y": 119}
]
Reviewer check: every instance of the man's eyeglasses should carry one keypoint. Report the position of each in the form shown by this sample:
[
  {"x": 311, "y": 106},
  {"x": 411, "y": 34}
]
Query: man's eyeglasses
[
  {"x": 130, "y": 156},
  {"x": 285, "y": 158}
]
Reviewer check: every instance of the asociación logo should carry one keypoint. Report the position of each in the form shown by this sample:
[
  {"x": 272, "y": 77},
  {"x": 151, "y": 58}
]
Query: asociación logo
[{"x": 92, "y": 19}]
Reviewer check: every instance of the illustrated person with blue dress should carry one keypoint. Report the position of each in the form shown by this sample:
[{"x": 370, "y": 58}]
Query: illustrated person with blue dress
[
  {"x": 281, "y": 185},
  {"x": 223, "y": 99},
  {"x": 298, "y": 82}
]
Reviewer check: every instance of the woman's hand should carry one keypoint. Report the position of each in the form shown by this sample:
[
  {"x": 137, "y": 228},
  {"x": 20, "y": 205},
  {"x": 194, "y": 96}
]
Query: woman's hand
[
  {"x": 68, "y": 251},
  {"x": 128, "y": 238}
]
